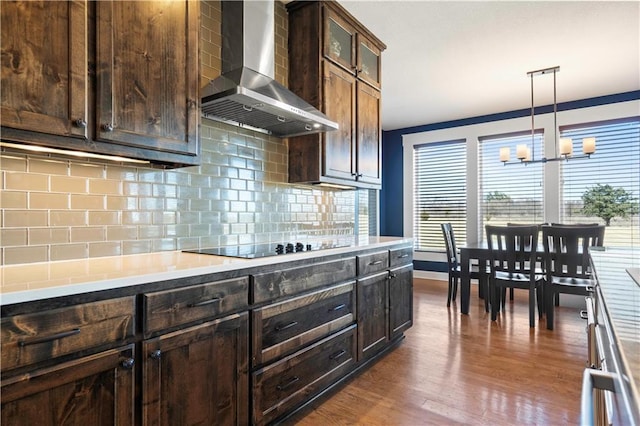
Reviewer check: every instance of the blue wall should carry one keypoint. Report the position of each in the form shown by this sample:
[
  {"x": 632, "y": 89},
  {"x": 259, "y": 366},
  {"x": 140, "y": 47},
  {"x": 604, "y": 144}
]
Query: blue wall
[{"x": 391, "y": 211}]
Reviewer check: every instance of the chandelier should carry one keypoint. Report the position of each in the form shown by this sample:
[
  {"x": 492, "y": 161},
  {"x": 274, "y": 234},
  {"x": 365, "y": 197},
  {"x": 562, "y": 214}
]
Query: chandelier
[{"x": 526, "y": 154}]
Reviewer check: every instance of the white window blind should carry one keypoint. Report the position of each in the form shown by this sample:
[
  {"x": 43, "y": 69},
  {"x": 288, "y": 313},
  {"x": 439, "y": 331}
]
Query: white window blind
[
  {"x": 509, "y": 193},
  {"x": 615, "y": 165},
  {"x": 439, "y": 193},
  {"x": 367, "y": 218}
]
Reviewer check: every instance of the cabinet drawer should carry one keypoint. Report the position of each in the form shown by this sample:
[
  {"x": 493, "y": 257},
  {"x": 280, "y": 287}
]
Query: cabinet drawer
[
  {"x": 374, "y": 262},
  {"x": 284, "y": 327},
  {"x": 400, "y": 256},
  {"x": 30, "y": 338},
  {"x": 285, "y": 384},
  {"x": 288, "y": 282},
  {"x": 169, "y": 308}
]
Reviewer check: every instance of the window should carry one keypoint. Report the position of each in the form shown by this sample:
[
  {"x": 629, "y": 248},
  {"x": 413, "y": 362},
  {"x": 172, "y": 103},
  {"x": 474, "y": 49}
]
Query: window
[
  {"x": 367, "y": 212},
  {"x": 615, "y": 166},
  {"x": 509, "y": 193},
  {"x": 439, "y": 193}
]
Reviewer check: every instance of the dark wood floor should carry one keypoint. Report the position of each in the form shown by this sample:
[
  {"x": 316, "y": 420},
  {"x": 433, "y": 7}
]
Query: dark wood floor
[{"x": 464, "y": 369}]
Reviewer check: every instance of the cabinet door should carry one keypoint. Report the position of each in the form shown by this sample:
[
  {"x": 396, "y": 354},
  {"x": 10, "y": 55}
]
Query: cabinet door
[
  {"x": 368, "y": 68},
  {"x": 372, "y": 314},
  {"x": 368, "y": 143},
  {"x": 339, "y": 40},
  {"x": 340, "y": 106},
  {"x": 44, "y": 67},
  {"x": 148, "y": 74},
  {"x": 400, "y": 300},
  {"x": 93, "y": 390},
  {"x": 198, "y": 376}
]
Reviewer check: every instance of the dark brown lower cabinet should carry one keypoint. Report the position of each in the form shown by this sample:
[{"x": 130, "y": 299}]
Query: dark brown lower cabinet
[
  {"x": 372, "y": 314},
  {"x": 198, "y": 375},
  {"x": 400, "y": 300},
  {"x": 311, "y": 324},
  {"x": 90, "y": 391},
  {"x": 285, "y": 384}
]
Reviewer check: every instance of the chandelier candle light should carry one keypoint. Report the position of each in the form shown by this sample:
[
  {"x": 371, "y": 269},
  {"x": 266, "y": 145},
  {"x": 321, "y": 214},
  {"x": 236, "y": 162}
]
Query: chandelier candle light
[{"x": 526, "y": 154}]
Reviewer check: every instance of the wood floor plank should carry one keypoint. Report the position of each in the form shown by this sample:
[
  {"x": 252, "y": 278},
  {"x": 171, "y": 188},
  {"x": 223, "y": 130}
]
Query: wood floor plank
[{"x": 465, "y": 369}]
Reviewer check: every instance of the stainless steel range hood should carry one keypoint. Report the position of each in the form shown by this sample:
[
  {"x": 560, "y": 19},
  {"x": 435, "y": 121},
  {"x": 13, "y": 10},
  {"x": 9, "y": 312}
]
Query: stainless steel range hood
[{"x": 246, "y": 93}]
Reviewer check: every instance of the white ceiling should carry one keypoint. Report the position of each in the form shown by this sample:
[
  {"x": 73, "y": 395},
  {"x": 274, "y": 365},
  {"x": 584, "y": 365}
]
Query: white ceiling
[{"x": 448, "y": 60}]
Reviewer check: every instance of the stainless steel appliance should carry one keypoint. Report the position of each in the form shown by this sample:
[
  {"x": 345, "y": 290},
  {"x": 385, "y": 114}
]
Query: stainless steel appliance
[{"x": 246, "y": 93}]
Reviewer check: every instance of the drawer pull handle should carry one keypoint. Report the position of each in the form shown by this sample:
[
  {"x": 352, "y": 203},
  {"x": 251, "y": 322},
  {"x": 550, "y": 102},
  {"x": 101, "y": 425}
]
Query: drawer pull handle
[
  {"x": 128, "y": 363},
  {"x": 157, "y": 354},
  {"x": 377, "y": 262},
  {"x": 204, "y": 303},
  {"x": 44, "y": 339},
  {"x": 337, "y": 308},
  {"x": 291, "y": 381},
  {"x": 402, "y": 256},
  {"x": 338, "y": 354},
  {"x": 284, "y": 327}
]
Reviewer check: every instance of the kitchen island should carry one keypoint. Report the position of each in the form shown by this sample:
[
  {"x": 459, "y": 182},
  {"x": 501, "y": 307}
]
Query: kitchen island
[
  {"x": 183, "y": 338},
  {"x": 615, "y": 339}
]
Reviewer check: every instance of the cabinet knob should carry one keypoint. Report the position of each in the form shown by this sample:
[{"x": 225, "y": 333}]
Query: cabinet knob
[
  {"x": 107, "y": 127},
  {"x": 156, "y": 354},
  {"x": 128, "y": 363},
  {"x": 80, "y": 123}
]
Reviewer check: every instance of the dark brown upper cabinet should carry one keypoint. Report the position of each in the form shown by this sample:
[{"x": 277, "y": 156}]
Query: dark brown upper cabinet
[
  {"x": 351, "y": 47},
  {"x": 111, "y": 77},
  {"x": 334, "y": 64},
  {"x": 44, "y": 80}
]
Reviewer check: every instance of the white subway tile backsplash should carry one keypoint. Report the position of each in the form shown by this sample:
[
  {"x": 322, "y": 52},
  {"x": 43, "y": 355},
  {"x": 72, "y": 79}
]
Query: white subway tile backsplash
[
  {"x": 53, "y": 167},
  {"x": 69, "y": 184},
  {"x": 79, "y": 169},
  {"x": 41, "y": 236},
  {"x": 13, "y": 199},
  {"x": 26, "y": 181},
  {"x": 24, "y": 218}
]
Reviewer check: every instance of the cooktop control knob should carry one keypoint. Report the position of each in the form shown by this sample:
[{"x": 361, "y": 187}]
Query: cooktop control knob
[
  {"x": 299, "y": 247},
  {"x": 309, "y": 247},
  {"x": 289, "y": 248},
  {"x": 279, "y": 249}
]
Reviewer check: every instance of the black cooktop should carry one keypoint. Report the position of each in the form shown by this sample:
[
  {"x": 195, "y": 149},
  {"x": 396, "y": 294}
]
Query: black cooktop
[{"x": 252, "y": 251}]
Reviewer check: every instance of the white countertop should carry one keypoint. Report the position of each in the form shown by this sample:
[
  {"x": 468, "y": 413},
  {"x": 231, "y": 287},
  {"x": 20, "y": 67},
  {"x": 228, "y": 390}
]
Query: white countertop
[{"x": 37, "y": 281}]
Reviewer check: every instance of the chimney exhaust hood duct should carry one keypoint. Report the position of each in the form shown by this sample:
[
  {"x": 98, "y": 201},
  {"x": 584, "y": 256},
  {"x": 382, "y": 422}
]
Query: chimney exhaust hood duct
[{"x": 246, "y": 93}]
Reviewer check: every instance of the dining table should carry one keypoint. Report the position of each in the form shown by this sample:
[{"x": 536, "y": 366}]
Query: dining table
[{"x": 476, "y": 251}]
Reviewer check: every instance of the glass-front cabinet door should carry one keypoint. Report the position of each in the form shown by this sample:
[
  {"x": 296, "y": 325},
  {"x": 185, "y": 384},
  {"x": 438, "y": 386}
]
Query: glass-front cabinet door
[
  {"x": 339, "y": 43},
  {"x": 368, "y": 62}
]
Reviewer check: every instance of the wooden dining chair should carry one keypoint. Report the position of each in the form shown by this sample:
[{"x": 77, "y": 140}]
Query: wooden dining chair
[
  {"x": 556, "y": 298},
  {"x": 567, "y": 264},
  {"x": 513, "y": 263},
  {"x": 453, "y": 263}
]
